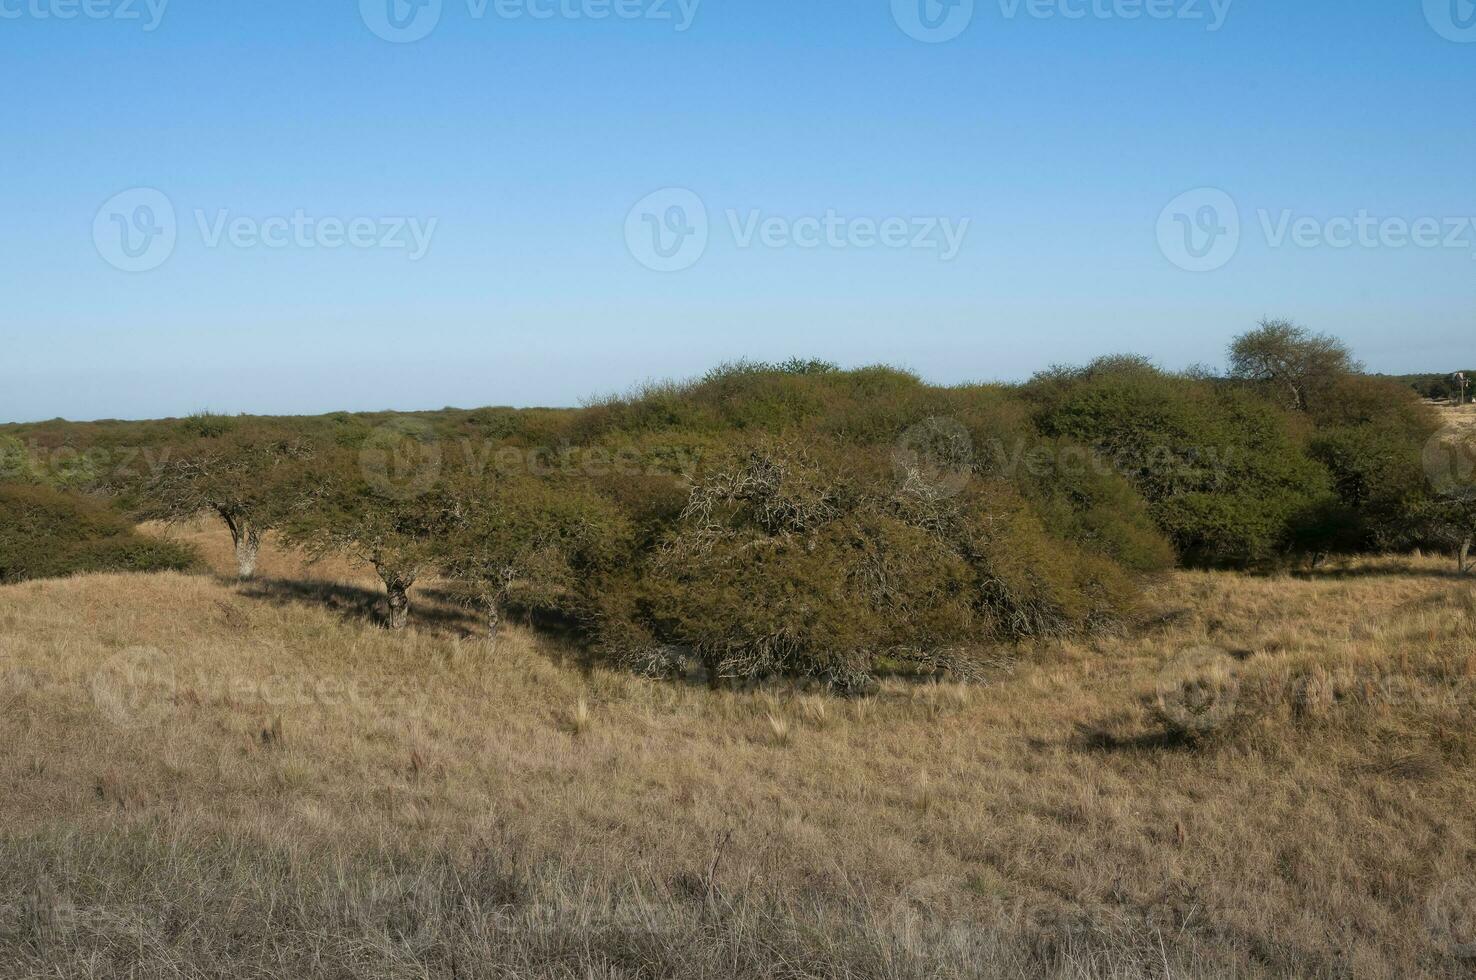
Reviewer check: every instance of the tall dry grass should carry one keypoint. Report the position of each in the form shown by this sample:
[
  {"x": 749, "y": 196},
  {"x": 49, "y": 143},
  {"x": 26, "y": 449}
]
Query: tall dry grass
[{"x": 210, "y": 779}]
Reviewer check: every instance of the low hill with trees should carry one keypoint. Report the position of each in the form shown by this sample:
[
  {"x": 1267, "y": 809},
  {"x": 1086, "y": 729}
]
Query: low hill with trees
[{"x": 799, "y": 519}]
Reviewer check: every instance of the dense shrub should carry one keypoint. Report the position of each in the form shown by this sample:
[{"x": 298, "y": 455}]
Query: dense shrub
[
  {"x": 1224, "y": 471},
  {"x": 818, "y": 561},
  {"x": 46, "y": 533}
]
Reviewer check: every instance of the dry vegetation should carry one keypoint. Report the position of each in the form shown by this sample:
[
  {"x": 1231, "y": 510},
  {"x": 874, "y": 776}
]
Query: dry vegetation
[{"x": 211, "y": 779}]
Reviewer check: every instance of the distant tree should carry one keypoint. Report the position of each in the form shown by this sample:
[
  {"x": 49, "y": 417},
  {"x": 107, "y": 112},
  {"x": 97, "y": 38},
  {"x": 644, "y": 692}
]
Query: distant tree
[
  {"x": 239, "y": 474},
  {"x": 1293, "y": 363},
  {"x": 347, "y": 511},
  {"x": 530, "y": 542}
]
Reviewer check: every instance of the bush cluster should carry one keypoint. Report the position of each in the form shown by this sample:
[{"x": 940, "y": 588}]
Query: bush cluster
[
  {"x": 799, "y": 519},
  {"x": 47, "y": 533}
]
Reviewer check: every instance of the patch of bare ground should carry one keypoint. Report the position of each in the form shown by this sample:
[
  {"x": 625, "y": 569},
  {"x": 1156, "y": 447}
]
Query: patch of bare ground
[{"x": 205, "y": 778}]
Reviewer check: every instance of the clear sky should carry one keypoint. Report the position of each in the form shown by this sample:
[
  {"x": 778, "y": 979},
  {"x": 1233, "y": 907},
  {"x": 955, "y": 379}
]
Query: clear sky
[{"x": 216, "y": 205}]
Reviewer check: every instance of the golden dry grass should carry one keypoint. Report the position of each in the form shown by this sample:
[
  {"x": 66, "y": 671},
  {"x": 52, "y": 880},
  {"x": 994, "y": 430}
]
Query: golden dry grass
[{"x": 269, "y": 755}]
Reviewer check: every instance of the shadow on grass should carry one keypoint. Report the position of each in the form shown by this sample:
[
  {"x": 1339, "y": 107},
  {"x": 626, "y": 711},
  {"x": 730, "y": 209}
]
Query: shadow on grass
[
  {"x": 1339, "y": 574},
  {"x": 1100, "y": 738},
  {"x": 429, "y": 609}
]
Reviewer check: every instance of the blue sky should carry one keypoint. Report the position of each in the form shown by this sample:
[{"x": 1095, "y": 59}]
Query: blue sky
[{"x": 1055, "y": 138}]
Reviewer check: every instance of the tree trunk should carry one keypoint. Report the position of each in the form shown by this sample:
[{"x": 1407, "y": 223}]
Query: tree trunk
[
  {"x": 1463, "y": 560},
  {"x": 248, "y": 546},
  {"x": 494, "y": 621},
  {"x": 399, "y": 607},
  {"x": 397, "y": 589},
  {"x": 247, "y": 540}
]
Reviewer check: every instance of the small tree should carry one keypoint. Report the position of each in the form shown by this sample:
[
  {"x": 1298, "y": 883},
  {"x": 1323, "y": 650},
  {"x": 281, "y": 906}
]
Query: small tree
[
  {"x": 402, "y": 536},
  {"x": 1294, "y": 363},
  {"x": 529, "y": 541},
  {"x": 239, "y": 475}
]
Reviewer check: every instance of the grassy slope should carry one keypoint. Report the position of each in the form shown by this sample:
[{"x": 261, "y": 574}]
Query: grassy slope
[{"x": 284, "y": 789}]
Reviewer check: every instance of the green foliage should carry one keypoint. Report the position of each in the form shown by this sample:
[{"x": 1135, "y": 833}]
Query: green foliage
[
  {"x": 1224, "y": 472},
  {"x": 1370, "y": 440},
  {"x": 47, "y": 533},
  {"x": 800, "y": 519},
  {"x": 1292, "y": 365},
  {"x": 810, "y": 562},
  {"x": 533, "y": 544},
  {"x": 206, "y": 425}
]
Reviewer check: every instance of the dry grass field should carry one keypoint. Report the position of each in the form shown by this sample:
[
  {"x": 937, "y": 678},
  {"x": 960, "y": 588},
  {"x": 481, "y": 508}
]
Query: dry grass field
[{"x": 202, "y": 778}]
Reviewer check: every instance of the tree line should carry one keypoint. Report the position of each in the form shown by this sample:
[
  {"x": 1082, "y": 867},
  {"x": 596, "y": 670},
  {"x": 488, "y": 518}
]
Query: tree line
[{"x": 799, "y": 519}]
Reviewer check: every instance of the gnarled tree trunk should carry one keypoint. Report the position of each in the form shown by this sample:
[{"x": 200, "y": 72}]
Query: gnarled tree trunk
[
  {"x": 248, "y": 546},
  {"x": 247, "y": 540},
  {"x": 397, "y": 591}
]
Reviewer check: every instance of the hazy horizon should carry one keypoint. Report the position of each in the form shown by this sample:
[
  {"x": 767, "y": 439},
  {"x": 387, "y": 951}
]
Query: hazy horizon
[{"x": 617, "y": 391}]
